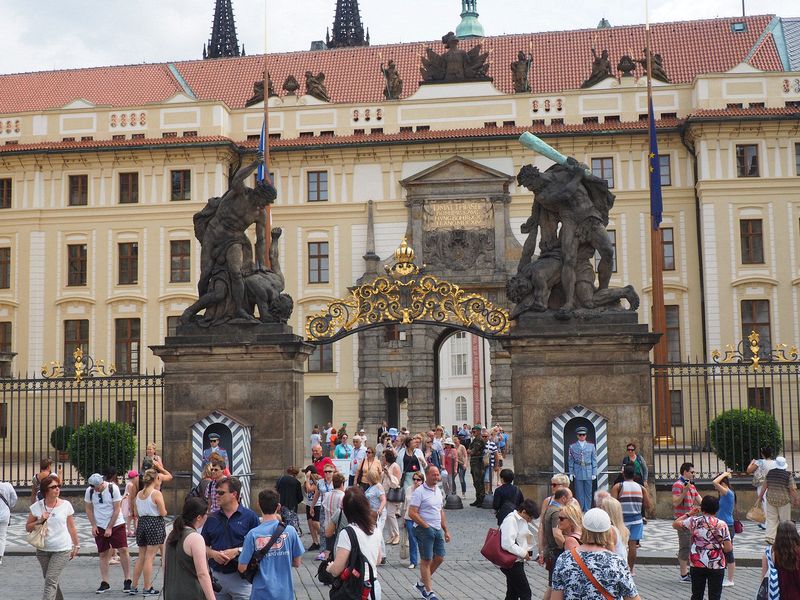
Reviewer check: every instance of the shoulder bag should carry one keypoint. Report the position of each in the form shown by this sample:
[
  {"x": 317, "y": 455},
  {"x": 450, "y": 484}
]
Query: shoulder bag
[
  {"x": 603, "y": 591},
  {"x": 493, "y": 550},
  {"x": 756, "y": 513},
  {"x": 252, "y": 566},
  {"x": 397, "y": 495},
  {"x": 350, "y": 584},
  {"x": 37, "y": 536},
  {"x": 322, "y": 571}
]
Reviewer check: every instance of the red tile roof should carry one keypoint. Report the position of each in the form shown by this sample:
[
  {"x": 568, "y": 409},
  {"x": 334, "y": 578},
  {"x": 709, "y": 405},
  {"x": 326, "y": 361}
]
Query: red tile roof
[
  {"x": 561, "y": 61},
  {"x": 44, "y": 147},
  {"x": 788, "y": 111},
  {"x": 131, "y": 85}
]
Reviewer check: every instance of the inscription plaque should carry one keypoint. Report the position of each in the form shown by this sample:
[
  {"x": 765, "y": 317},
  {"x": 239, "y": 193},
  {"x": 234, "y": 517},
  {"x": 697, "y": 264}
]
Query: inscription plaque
[{"x": 459, "y": 214}]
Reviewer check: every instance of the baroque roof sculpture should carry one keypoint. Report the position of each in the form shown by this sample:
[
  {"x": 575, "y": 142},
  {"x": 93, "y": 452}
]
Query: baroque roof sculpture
[{"x": 454, "y": 65}]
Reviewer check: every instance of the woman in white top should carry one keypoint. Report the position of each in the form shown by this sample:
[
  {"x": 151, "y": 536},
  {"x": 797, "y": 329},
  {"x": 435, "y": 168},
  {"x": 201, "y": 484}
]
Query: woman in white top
[
  {"x": 151, "y": 532},
  {"x": 621, "y": 534},
  {"x": 8, "y": 498},
  {"x": 411, "y": 460},
  {"x": 391, "y": 480},
  {"x": 61, "y": 543},
  {"x": 363, "y": 523},
  {"x": 516, "y": 538},
  {"x": 759, "y": 469}
]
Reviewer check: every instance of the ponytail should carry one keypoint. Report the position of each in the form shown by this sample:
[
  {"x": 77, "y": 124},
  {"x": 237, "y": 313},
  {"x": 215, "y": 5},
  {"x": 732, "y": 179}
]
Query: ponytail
[{"x": 192, "y": 508}]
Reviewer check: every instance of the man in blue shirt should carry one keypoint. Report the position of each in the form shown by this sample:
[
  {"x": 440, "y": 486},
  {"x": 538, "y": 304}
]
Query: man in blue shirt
[
  {"x": 274, "y": 578},
  {"x": 224, "y": 534}
]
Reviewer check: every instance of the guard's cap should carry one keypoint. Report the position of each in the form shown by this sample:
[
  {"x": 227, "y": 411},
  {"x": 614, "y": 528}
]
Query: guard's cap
[
  {"x": 581, "y": 430},
  {"x": 95, "y": 479},
  {"x": 597, "y": 520},
  {"x": 213, "y": 437}
]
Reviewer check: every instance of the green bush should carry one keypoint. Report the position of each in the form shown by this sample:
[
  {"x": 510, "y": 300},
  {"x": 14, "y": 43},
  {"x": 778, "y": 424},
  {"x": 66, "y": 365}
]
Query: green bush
[
  {"x": 738, "y": 435},
  {"x": 102, "y": 444},
  {"x": 59, "y": 437}
]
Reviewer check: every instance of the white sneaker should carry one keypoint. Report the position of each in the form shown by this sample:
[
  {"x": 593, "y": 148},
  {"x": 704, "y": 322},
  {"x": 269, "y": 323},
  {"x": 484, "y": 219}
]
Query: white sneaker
[{"x": 727, "y": 583}]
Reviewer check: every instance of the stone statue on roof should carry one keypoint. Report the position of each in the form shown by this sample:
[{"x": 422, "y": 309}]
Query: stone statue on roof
[
  {"x": 291, "y": 85},
  {"x": 258, "y": 92},
  {"x": 658, "y": 71},
  {"x": 315, "y": 86},
  {"x": 455, "y": 65},
  {"x": 520, "y": 70},
  {"x": 394, "y": 84},
  {"x": 626, "y": 66},
  {"x": 601, "y": 69}
]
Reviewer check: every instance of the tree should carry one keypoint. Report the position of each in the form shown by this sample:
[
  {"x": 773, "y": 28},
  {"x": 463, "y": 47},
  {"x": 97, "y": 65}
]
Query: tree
[
  {"x": 737, "y": 436},
  {"x": 102, "y": 444}
]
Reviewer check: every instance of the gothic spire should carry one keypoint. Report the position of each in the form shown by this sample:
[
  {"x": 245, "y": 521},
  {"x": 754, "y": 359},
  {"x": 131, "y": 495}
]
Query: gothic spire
[
  {"x": 348, "y": 30},
  {"x": 223, "y": 40}
]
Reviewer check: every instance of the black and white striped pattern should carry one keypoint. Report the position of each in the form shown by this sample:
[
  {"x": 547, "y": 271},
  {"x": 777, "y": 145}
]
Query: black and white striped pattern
[
  {"x": 239, "y": 454},
  {"x": 601, "y": 441}
]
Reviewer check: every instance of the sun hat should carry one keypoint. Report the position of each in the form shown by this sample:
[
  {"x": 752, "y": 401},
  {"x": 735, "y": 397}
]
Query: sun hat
[
  {"x": 449, "y": 442},
  {"x": 780, "y": 463},
  {"x": 596, "y": 520}
]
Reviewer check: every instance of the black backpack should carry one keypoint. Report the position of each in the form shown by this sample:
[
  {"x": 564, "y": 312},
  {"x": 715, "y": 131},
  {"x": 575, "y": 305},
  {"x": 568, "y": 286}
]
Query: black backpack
[{"x": 353, "y": 587}]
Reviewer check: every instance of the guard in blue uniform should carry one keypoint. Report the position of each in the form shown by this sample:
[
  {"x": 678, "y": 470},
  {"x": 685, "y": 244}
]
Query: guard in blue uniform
[{"x": 583, "y": 468}]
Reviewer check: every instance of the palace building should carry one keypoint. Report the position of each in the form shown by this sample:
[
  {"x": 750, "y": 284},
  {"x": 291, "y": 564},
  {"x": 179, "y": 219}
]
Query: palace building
[{"x": 101, "y": 170}]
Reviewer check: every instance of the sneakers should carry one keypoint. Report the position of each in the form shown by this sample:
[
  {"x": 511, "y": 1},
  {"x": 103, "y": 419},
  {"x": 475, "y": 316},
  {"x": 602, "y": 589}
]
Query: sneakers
[
  {"x": 431, "y": 596},
  {"x": 133, "y": 591},
  {"x": 685, "y": 578},
  {"x": 383, "y": 560},
  {"x": 727, "y": 583},
  {"x": 313, "y": 547},
  {"x": 412, "y": 566},
  {"x": 151, "y": 592},
  {"x": 420, "y": 587},
  {"x": 104, "y": 587},
  {"x": 126, "y": 586}
]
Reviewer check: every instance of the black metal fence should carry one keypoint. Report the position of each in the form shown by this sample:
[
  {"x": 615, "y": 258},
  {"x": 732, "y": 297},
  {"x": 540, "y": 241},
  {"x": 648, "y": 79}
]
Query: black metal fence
[
  {"x": 694, "y": 394},
  {"x": 31, "y": 408}
]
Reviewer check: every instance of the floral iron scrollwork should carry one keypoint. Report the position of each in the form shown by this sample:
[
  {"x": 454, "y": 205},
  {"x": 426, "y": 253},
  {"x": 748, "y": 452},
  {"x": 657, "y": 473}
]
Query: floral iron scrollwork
[
  {"x": 749, "y": 352},
  {"x": 83, "y": 366}
]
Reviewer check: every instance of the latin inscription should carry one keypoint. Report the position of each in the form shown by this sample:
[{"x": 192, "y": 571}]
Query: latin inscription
[{"x": 459, "y": 214}]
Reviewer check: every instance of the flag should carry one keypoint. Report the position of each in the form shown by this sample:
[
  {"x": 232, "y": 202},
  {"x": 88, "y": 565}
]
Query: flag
[
  {"x": 261, "y": 169},
  {"x": 656, "y": 202}
]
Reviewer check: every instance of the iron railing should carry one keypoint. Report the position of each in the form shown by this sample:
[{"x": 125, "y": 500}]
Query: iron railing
[{"x": 31, "y": 408}]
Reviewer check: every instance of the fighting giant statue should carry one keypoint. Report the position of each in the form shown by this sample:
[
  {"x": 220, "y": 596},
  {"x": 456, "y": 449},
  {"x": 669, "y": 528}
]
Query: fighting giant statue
[
  {"x": 233, "y": 281},
  {"x": 569, "y": 196}
]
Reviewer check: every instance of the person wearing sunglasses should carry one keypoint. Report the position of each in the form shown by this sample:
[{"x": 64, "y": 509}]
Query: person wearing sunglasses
[
  {"x": 104, "y": 512},
  {"x": 413, "y": 549},
  {"x": 685, "y": 497},
  {"x": 583, "y": 467},
  {"x": 633, "y": 457}
]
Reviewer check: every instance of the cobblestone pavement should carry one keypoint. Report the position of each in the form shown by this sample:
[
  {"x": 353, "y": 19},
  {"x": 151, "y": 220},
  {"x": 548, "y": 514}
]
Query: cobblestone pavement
[{"x": 464, "y": 575}]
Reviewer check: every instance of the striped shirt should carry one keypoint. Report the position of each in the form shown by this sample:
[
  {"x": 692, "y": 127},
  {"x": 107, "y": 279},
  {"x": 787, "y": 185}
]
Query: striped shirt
[
  {"x": 491, "y": 450},
  {"x": 691, "y": 498},
  {"x": 631, "y": 497}
]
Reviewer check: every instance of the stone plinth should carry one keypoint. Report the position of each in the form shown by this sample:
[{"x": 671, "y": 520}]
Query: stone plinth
[
  {"x": 601, "y": 364},
  {"x": 252, "y": 371}
]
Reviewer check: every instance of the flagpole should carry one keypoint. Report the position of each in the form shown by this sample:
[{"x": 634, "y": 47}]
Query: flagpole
[
  {"x": 659, "y": 316},
  {"x": 268, "y": 244}
]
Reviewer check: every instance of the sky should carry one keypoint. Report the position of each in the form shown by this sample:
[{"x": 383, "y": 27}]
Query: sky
[{"x": 59, "y": 34}]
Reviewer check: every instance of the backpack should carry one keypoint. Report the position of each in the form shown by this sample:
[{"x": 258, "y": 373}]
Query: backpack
[{"x": 350, "y": 585}]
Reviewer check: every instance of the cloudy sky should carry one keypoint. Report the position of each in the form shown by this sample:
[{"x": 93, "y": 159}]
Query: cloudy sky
[{"x": 56, "y": 34}]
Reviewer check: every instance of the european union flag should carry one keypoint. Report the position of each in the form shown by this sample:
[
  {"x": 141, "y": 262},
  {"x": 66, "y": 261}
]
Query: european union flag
[
  {"x": 260, "y": 172},
  {"x": 656, "y": 202}
]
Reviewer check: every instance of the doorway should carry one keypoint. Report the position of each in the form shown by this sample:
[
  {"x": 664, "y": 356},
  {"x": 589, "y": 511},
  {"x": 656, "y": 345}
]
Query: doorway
[
  {"x": 396, "y": 399},
  {"x": 462, "y": 377}
]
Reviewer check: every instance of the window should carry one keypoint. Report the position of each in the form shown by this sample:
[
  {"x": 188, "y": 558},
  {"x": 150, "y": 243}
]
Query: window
[
  {"x": 126, "y": 345},
  {"x": 759, "y": 398},
  {"x": 673, "y": 333},
  {"x": 5, "y": 336},
  {"x": 461, "y": 409},
  {"x": 458, "y": 354},
  {"x": 76, "y": 335},
  {"x": 126, "y": 412},
  {"x": 5, "y": 268},
  {"x": 75, "y": 414},
  {"x": 321, "y": 360},
  {"x": 172, "y": 326},
  {"x": 755, "y": 317},
  {"x": 747, "y": 160},
  {"x": 604, "y": 169},
  {"x": 78, "y": 190},
  {"x": 391, "y": 333},
  {"x": 752, "y": 240},
  {"x": 318, "y": 262},
  {"x": 668, "y": 248},
  {"x": 181, "y": 185},
  {"x": 180, "y": 261},
  {"x": 3, "y": 419},
  {"x": 676, "y": 407},
  {"x": 5, "y": 192},
  {"x": 796, "y": 167},
  {"x": 128, "y": 263},
  {"x": 665, "y": 168},
  {"x": 128, "y": 188},
  {"x": 76, "y": 264},
  {"x": 612, "y": 235},
  {"x": 317, "y": 186}
]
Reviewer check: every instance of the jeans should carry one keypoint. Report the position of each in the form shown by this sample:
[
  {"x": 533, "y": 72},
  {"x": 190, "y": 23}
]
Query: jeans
[
  {"x": 52, "y": 564},
  {"x": 413, "y": 552},
  {"x": 583, "y": 492},
  {"x": 517, "y": 586},
  {"x": 699, "y": 578},
  {"x": 462, "y": 475},
  {"x": 233, "y": 586}
]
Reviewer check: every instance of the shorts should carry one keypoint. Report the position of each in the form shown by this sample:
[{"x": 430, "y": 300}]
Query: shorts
[
  {"x": 684, "y": 544},
  {"x": 430, "y": 542},
  {"x": 150, "y": 531},
  {"x": 317, "y": 510},
  {"x": 117, "y": 539},
  {"x": 637, "y": 531}
]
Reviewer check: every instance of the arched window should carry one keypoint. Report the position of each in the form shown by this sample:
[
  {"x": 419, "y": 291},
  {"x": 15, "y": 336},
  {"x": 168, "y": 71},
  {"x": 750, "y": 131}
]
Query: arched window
[
  {"x": 461, "y": 409},
  {"x": 458, "y": 354}
]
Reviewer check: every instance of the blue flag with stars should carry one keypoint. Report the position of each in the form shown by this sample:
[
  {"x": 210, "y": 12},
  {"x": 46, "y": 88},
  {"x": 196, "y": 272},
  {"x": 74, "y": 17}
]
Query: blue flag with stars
[
  {"x": 260, "y": 172},
  {"x": 656, "y": 202}
]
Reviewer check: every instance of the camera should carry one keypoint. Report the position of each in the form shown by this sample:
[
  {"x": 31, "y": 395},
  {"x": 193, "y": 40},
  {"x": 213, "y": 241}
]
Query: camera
[{"x": 215, "y": 584}]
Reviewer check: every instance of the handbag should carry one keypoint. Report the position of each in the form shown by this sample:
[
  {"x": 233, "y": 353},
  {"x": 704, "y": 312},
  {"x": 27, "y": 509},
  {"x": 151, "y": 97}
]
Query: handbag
[
  {"x": 486, "y": 460},
  {"x": 37, "y": 535},
  {"x": 756, "y": 513},
  {"x": 252, "y": 567},
  {"x": 603, "y": 591},
  {"x": 493, "y": 550},
  {"x": 738, "y": 527},
  {"x": 397, "y": 495}
]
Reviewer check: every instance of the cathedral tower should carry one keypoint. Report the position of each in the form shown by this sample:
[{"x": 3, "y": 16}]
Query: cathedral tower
[
  {"x": 348, "y": 30},
  {"x": 223, "y": 40}
]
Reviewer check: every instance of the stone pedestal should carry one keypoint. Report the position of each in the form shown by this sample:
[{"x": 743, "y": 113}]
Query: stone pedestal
[
  {"x": 253, "y": 372},
  {"x": 601, "y": 364}
]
